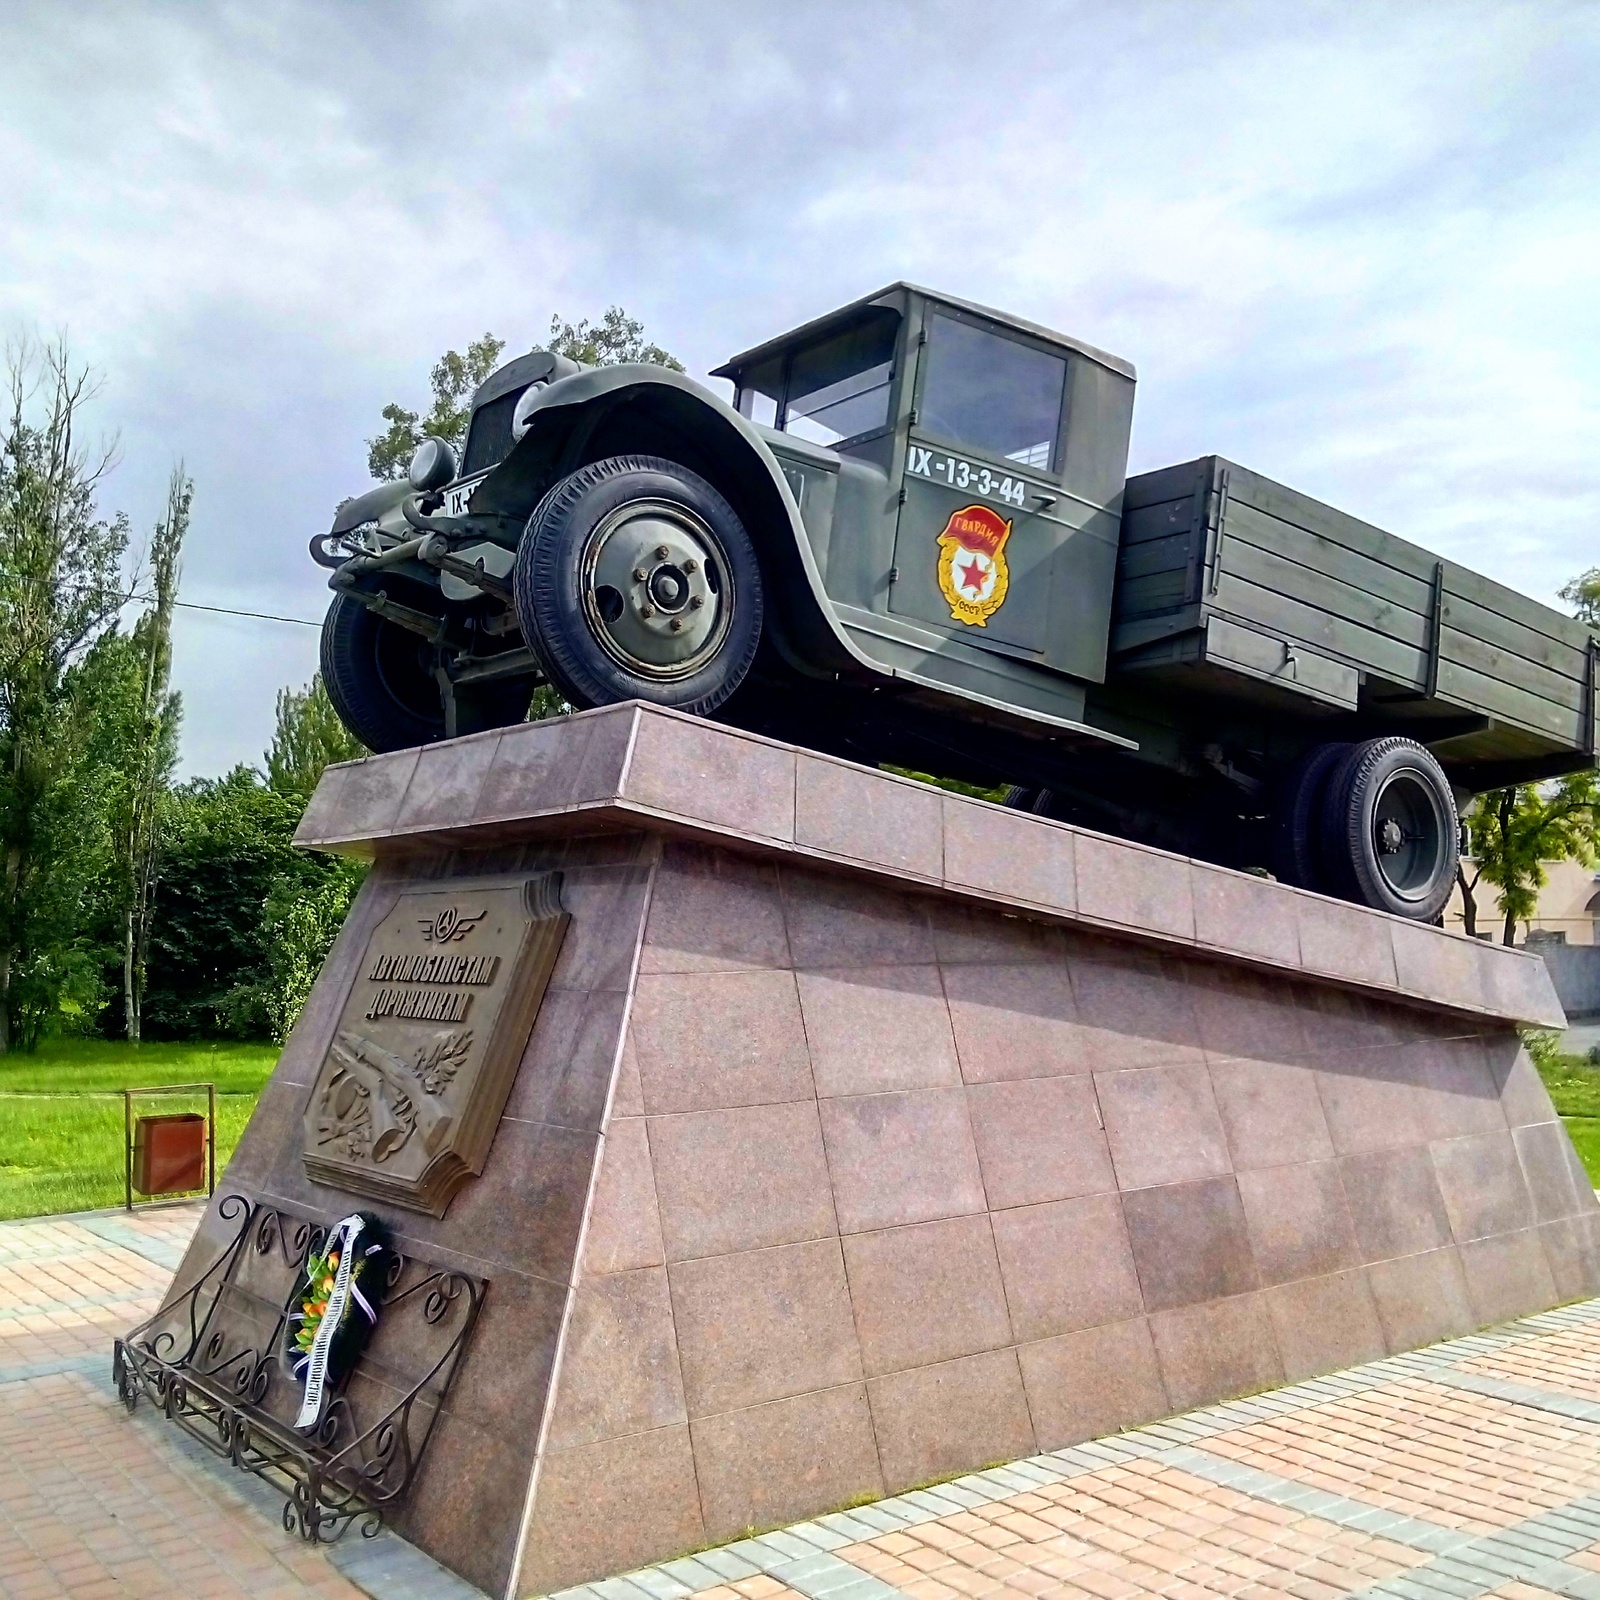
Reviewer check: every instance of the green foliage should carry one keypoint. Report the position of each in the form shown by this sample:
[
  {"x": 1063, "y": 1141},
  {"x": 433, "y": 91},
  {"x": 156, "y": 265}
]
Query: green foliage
[
  {"x": 1515, "y": 832},
  {"x": 1582, "y": 593},
  {"x": 1574, "y": 1087},
  {"x": 60, "y": 587},
  {"x": 1544, "y": 1048},
  {"x": 300, "y": 922},
  {"x": 615, "y": 338},
  {"x": 64, "y": 1152},
  {"x": 453, "y": 379},
  {"x": 244, "y": 920},
  {"x": 82, "y": 1066},
  {"x": 228, "y": 849},
  {"x": 309, "y": 736},
  {"x": 151, "y": 750},
  {"x": 1573, "y": 1083},
  {"x": 953, "y": 785}
]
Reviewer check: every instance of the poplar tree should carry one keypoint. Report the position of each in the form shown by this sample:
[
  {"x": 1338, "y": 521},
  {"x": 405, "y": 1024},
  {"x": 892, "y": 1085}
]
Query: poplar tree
[
  {"x": 60, "y": 586},
  {"x": 152, "y": 751}
]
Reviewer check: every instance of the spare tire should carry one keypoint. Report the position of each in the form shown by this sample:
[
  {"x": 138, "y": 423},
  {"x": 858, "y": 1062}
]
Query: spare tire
[{"x": 1389, "y": 835}]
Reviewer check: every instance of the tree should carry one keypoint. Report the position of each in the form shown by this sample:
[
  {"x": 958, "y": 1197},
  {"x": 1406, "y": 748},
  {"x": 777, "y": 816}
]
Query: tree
[
  {"x": 153, "y": 750},
  {"x": 1583, "y": 595},
  {"x": 309, "y": 736},
  {"x": 615, "y": 338},
  {"x": 300, "y": 921},
  {"x": 1515, "y": 832},
  {"x": 60, "y": 587},
  {"x": 453, "y": 379}
]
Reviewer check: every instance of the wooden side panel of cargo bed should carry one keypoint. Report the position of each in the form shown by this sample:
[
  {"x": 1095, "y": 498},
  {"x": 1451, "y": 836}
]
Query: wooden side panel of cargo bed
[{"x": 1209, "y": 538}]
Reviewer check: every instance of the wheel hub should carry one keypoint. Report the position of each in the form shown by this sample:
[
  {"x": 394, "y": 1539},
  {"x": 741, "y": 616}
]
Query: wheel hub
[
  {"x": 656, "y": 589},
  {"x": 1409, "y": 833}
]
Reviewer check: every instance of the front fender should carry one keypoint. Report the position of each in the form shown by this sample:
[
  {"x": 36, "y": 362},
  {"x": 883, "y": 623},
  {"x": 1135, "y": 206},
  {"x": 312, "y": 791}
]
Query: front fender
[{"x": 648, "y": 410}]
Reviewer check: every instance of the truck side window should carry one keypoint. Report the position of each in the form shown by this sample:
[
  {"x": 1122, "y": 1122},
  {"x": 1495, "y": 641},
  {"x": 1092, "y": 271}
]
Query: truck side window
[
  {"x": 992, "y": 394},
  {"x": 760, "y": 389},
  {"x": 839, "y": 387}
]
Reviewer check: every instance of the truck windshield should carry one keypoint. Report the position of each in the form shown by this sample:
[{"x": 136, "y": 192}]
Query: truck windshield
[
  {"x": 831, "y": 390},
  {"x": 991, "y": 394}
]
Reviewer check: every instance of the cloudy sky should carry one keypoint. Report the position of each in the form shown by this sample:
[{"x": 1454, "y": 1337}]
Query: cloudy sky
[{"x": 1354, "y": 246}]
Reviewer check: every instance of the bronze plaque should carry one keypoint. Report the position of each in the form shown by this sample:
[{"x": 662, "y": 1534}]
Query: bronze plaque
[{"x": 410, "y": 1093}]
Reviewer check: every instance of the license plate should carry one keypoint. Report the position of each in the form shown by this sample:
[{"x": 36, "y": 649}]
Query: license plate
[{"x": 457, "y": 496}]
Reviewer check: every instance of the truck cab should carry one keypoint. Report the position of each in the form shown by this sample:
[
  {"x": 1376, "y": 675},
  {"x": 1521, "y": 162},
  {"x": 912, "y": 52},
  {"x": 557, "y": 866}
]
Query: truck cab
[{"x": 963, "y": 493}]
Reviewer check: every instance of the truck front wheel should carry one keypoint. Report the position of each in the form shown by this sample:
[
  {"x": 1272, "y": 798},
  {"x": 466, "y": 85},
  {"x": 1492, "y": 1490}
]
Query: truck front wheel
[
  {"x": 1388, "y": 836},
  {"x": 387, "y": 684},
  {"x": 636, "y": 580},
  {"x": 380, "y": 679}
]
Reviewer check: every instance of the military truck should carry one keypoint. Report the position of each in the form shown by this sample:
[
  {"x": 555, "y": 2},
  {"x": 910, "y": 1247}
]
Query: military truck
[{"x": 909, "y": 539}]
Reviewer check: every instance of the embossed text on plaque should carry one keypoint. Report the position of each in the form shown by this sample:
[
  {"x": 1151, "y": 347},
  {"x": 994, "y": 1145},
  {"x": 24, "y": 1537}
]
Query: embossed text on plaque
[{"x": 408, "y": 1097}]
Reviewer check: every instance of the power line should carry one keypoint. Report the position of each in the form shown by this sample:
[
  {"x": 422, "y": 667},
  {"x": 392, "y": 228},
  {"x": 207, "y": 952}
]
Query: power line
[{"x": 260, "y": 616}]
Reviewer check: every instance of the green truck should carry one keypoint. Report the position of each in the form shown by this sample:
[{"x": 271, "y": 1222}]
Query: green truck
[{"x": 910, "y": 538}]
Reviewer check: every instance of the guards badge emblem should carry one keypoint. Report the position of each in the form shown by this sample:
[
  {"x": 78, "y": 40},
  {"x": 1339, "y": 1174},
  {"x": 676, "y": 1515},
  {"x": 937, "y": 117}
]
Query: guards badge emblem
[{"x": 973, "y": 577}]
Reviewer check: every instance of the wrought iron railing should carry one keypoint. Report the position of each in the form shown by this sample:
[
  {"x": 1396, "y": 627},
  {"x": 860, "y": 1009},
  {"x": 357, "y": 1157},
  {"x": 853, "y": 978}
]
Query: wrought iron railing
[{"x": 211, "y": 1360}]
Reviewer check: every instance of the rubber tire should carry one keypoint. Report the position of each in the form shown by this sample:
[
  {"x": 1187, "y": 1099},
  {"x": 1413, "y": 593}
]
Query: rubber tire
[
  {"x": 1297, "y": 818},
  {"x": 550, "y": 608},
  {"x": 1038, "y": 801},
  {"x": 1348, "y": 854},
  {"x": 379, "y": 684}
]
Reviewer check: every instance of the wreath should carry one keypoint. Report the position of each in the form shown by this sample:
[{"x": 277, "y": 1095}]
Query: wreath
[{"x": 334, "y": 1308}]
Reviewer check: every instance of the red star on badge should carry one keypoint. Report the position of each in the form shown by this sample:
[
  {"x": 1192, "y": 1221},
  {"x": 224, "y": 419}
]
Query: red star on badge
[{"x": 972, "y": 576}]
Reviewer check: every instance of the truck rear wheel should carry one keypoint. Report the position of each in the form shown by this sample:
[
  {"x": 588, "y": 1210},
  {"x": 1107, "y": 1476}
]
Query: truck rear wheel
[
  {"x": 1297, "y": 818},
  {"x": 1389, "y": 831},
  {"x": 636, "y": 580}
]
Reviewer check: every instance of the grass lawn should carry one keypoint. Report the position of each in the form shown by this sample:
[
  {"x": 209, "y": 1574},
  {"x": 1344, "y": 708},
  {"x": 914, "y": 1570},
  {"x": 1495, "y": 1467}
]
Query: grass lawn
[
  {"x": 61, "y": 1127},
  {"x": 1574, "y": 1086}
]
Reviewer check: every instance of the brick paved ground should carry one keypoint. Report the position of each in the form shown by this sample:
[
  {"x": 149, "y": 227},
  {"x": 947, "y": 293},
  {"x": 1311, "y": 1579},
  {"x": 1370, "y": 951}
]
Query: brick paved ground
[
  {"x": 92, "y": 1502},
  {"x": 1465, "y": 1471}
]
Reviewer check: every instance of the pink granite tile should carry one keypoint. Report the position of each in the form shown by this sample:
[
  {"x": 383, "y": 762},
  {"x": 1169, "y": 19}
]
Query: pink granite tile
[
  {"x": 1244, "y": 915},
  {"x": 1132, "y": 887},
  {"x": 702, "y": 772},
  {"x": 870, "y": 817},
  {"x": 1010, "y": 854}
]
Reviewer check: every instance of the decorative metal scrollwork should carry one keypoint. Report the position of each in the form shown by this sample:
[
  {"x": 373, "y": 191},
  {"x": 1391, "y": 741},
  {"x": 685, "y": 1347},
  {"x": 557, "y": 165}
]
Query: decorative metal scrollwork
[{"x": 209, "y": 1361}]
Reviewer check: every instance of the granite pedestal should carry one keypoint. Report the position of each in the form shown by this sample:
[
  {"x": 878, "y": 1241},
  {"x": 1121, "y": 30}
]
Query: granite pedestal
[{"x": 868, "y": 1134}]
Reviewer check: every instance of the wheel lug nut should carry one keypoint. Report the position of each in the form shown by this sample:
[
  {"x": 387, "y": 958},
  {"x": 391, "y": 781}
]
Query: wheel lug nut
[
  {"x": 676, "y": 624},
  {"x": 662, "y": 552},
  {"x": 696, "y": 601},
  {"x": 691, "y": 565},
  {"x": 639, "y": 574},
  {"x": 647, "y": 611}
]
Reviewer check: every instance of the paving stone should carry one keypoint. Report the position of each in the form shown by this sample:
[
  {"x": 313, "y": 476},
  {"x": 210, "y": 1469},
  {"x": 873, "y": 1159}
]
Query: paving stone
[
  {"x": 707, "y": 1569},
  {"x": 848, "y": 1526},
  {"x": 654, "y": 1581}
]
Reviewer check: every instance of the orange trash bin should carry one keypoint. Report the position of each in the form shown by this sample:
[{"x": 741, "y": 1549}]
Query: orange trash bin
[{"x": 169, "y": 1153}]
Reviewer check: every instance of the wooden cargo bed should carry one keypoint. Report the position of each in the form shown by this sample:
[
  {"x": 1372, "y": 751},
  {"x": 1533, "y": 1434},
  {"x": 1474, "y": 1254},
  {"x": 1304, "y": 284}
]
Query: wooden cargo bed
[{"x": 1232, "y": 586}]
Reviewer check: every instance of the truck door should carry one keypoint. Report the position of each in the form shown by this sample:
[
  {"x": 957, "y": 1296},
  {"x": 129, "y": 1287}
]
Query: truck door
[{"x": 974, "y": 547}]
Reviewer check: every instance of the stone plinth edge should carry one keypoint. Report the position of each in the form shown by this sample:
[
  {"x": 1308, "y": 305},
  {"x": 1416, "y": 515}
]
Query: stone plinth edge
[{"x": 640, "y": 766}]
